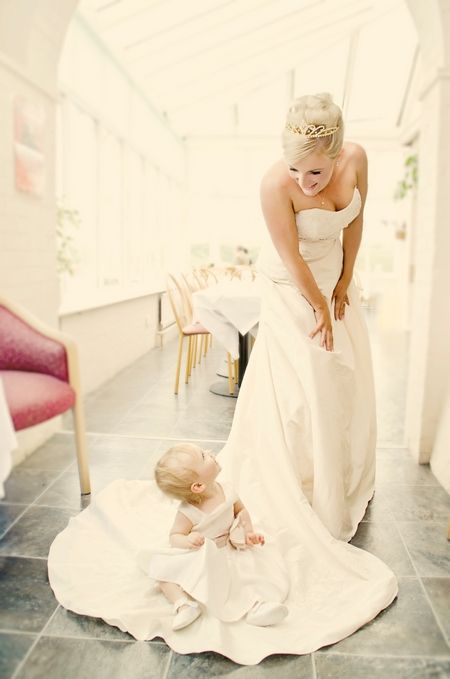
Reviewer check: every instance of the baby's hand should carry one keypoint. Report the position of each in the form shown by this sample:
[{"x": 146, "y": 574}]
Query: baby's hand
[
  {"x": 195, "y": 540},
  {"x": 254, "y": 539}
]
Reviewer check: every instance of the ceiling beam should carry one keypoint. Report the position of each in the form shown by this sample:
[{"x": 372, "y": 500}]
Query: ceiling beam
[
  {"x": 350, "y": 67},
  {"x": 356, "y": 15}
]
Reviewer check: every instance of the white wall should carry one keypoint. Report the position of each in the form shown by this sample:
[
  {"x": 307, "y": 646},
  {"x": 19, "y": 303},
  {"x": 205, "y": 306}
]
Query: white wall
[
  {"x": 89, "y": 73},
  {"x": 30, "y": 36},
  {"x": 223, "y": 189},
  {"x": 127, "y": 182},
  {"x": 114, "y": 326},
  {"x": 111, "y": 337}
]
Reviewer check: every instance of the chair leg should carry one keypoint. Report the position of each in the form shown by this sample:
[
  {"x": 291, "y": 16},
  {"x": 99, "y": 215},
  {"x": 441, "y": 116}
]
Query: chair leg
[
  {"x": 200, "y": 351},
  {"x": 193, "y": 355},
  {"x": 80, "y": 442},
  {"x": 195, "y": 351},
  {"x": 188, "y": 359},
  {"x": 236, "y": 371},
  {"x": 180, "y": 353},
  {"x": 206, "y": 344},
  {"x": 230, "y": 374}
]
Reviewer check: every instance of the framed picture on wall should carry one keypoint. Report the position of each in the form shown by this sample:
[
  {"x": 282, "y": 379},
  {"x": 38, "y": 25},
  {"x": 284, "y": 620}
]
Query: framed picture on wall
[{"x": 29, "y": 131}]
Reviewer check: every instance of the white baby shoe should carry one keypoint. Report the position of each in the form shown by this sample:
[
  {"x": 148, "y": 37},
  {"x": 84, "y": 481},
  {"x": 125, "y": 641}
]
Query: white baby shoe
[
  {"x": 265, "y": 613},
  {"x": 186, "y": 611}
]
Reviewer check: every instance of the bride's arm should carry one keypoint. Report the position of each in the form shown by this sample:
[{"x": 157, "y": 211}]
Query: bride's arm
[
  {"x": 279, "y": 215},
  {"x": 280, "y": 219},
  {"x": 353, "y": 233},
  {"x": 351, "y": 239}
]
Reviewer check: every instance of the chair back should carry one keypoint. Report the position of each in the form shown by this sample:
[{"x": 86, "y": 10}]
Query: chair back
[
  {"x": 24, "y": 348},
  {"x": 177, "y": 301},
  {"x": 200, "y": 280},
  {"x": 208, "y": 276},
  {"x": 190, "y": 282}
]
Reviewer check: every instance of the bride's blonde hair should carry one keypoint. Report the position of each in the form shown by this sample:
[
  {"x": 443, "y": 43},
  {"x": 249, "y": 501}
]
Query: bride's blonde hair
[
  {"x": 316, "y": 109},
  {"x": 174, "y": 476}
]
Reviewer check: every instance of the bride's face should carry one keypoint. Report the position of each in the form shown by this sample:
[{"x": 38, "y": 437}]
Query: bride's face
[{"x": 313, "y": 173}]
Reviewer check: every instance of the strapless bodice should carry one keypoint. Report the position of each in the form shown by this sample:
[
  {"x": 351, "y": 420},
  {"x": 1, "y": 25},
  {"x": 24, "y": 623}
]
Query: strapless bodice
[
  {"x": 319, "y": 244},
  {"x": 317, "y": 224}
]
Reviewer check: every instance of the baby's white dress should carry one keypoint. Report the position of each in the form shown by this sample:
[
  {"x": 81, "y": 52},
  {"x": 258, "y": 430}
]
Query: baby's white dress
[{"x": 224, "y": 575}]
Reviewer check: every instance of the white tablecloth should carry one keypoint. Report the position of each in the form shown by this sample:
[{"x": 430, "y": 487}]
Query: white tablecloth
[
  {"x": 7, "y": 440},
  {"x": 228, "y": 308}
]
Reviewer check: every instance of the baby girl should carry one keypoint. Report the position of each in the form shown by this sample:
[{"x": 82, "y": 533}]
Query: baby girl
[{"x": 217, "y": 562}]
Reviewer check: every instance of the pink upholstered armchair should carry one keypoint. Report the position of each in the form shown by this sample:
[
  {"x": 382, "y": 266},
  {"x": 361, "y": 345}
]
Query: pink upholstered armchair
[{"x": 39, "y": 370}]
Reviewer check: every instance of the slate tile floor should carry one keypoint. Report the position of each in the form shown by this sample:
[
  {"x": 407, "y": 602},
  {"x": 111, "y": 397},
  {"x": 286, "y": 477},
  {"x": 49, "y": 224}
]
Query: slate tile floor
[{"x": 130, "y": 420}]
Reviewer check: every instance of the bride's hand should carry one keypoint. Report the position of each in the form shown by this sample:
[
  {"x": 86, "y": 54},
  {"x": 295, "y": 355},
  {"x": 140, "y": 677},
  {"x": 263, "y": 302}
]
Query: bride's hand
[
  {"x": 340, "y": 299},
  {"x": 324, "y": 327}
]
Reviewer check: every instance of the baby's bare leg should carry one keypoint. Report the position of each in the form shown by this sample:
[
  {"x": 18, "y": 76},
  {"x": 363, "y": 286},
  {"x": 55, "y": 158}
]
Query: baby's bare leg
[
  {"x": 185, "y": 609},
  {"x": 172, "y": 591}
]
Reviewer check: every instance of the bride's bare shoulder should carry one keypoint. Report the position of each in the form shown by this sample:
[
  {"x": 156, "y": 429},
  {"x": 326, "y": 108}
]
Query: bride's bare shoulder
[{"x": 355, "y": 152}]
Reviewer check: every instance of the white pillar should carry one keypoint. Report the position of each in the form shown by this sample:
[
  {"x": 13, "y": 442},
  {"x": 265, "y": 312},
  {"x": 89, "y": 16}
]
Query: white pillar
[{"x": 429, "y": 370}]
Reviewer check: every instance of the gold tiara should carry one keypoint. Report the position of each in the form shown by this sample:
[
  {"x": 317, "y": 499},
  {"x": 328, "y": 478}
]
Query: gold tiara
[{"x": 311, "y": 131}]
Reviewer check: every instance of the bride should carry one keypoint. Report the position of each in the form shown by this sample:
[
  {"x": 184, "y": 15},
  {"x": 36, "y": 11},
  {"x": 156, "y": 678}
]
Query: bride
[
  {"x": 308, "y": 393},
  {"x": 301, "y": 450}
]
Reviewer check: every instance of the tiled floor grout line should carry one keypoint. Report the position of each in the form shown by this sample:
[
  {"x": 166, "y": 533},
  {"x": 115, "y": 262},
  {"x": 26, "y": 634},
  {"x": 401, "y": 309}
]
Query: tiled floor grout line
[
  {"x": 313, "y": 666},
  {"x": 27, "y": 507},
  {"x": 31, "y": 504},
  {"x": 24, "y": 556},
  {"x": 14, "y": 522},
  {"x": 166, "y": 670},
  {"x": 112, "y": 641},
  {"x": 24, "y": 633},
  {"x": 419, "y": 577},
  {"x": 69, "y": 507},
  {"x": 393, "y": 656},
  {"x": 33, "y": 645},
  {"x": 51, "y": 484},
  {"x": 144, "y": 436},
  {"x": 73, "y": 636}
]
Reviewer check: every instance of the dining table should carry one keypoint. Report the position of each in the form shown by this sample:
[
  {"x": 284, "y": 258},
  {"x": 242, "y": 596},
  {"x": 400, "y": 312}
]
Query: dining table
[
  {"x": 8, "y": 441},
  {"x": 230, "y": 310}
]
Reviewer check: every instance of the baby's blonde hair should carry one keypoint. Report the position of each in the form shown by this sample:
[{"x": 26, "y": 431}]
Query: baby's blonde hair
[
  {"x": 173, "y": 474},
  {"x": 316, "y": 109}
]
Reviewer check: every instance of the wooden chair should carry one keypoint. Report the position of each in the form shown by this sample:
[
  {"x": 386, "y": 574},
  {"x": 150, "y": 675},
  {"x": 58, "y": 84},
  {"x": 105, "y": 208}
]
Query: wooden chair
[
  {"x": 186, "y": 328},
  {"x": 190, "y": 283},
  {"x": 40, "y": 374},
  {"x": 208, "y": 276}
]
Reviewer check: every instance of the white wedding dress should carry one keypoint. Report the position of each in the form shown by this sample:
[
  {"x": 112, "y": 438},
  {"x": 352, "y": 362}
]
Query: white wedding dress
[
  {"x": 300, "y": 456},
  {"x": 304, "y": 412}
]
